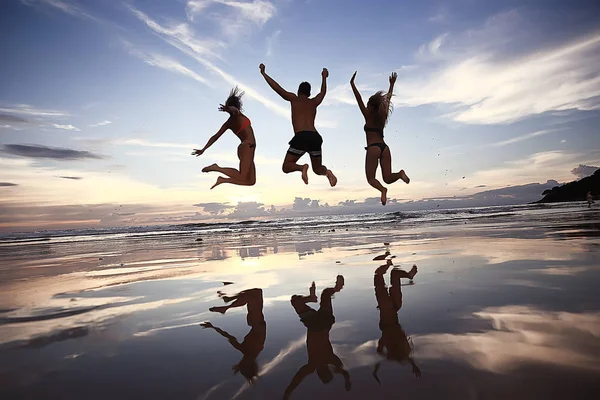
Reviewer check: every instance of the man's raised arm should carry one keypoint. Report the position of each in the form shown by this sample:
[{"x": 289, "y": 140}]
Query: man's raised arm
[
  {"x": 319, "y": 98},
  {"x": 275, "y": 86}
]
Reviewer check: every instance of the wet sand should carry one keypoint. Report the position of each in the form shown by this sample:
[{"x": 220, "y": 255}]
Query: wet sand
[{"x": 505, "y": 307}]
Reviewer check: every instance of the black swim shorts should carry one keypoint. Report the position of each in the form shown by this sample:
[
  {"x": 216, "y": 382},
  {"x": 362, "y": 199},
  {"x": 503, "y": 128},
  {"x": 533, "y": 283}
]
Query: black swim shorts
[{"x": 306, "y": 142}]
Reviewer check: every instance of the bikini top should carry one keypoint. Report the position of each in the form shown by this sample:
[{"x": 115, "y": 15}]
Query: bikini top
[
  {"x": 376, "y": 130},
  {"x": 244, "y": 125}
]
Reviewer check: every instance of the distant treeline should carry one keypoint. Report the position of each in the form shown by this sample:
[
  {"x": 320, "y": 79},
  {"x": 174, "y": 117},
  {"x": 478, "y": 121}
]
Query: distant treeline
[{"x": 573, "y": 191}]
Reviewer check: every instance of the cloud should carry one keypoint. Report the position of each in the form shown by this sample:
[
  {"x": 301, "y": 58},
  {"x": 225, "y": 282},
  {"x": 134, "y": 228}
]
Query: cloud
[
  {"x": 64, "y": 6},
  {"x": 214, "y": 208},
  {"x": 432, "y": 48},
  {"x": 342, "y": 94},
  {"x": 12, "y": 119},
  {"x": 67, "y": 127},
  {"x": 24, "y": 109},
  {"x": 584, "y": 170},
  {"x": 531, "y": 332},
  {"x": 521, "y": 138},
  {"x": 271, "y": 42},
  {"x": 7, "y": 184},
  {"x": 182, "y": 37},
  {"x": 488, "y": 87},
  {"x": 234, "y": 17},
  {"x": 55, "y": 153},
  {"x": 305, "y": 204},
  {"x": 103, "y": 123},
  {"x": 169, "y": 64},
  {"x": 75, "y": 178}
]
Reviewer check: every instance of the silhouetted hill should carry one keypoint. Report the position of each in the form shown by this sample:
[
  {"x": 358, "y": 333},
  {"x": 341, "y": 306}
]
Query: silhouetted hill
[{"x": 573, "y": 191}]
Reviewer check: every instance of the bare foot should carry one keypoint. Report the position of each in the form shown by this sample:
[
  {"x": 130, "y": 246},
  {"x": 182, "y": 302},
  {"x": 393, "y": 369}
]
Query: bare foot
[
  {"x": 404, "y": 177},
  {"x": 218, "y": 309},
  {"x": 413, "y": 271},
  {"x": 384, "y": 196},
  {"x": 339, "y": 283},
  {"x": 331, "y": 177},
  {"x": 313, "y": 293},
  {"x": 220, "y": 180},
  {"x": 305, "y": 173},
  {"x": 209, "y": 168}
]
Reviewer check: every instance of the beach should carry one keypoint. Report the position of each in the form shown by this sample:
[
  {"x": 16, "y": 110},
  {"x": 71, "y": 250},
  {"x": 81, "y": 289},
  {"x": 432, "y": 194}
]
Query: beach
[{"x": 504, "y": 304}]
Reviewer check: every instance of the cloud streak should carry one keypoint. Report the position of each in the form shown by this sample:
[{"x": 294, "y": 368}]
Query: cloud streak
[
  {"x": 67, "y": 127},
  {"x": 489, "y": 89},
  {"x": 169, "y": 64},
  {"x": 521, "y": 138},
  {"x": 7, "y": 184},
  {"x": 182, "y": 37},
  {"x": 24, "y": 109},
  {"x": 103, "y": 123},
  {"x": 55, "y": 153}
]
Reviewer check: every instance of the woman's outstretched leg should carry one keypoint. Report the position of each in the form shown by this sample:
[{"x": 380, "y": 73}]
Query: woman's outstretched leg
[
  {"x": 370, "y": 170},
  {"x": 390, "y": 177}
]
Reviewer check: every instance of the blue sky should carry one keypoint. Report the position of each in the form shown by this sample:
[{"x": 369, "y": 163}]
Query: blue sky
[{"x": 118, "y": 92}]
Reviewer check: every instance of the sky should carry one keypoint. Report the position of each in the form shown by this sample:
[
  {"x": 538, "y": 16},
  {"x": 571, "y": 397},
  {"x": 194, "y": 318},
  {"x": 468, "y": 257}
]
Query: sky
[{"x": 101, "y": 104}]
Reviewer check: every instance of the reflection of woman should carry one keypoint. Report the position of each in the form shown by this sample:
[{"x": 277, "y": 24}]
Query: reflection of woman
[
  {"x": 254, "y": 342},
  {"x": 393, "y": 344},
  {"x": 318, "y": 345}
]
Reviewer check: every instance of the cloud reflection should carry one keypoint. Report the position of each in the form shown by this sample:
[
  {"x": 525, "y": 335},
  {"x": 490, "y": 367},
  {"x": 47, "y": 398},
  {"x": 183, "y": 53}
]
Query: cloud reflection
[{"x": 521, "y": 334}]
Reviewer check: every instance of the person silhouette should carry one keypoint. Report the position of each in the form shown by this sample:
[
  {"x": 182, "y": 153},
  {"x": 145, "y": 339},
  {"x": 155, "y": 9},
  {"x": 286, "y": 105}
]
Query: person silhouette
[
  {"x": 306, "y": 138},
  {"x": 376, "y": 115},
  {"x": 393, "y": 344},
  {"x": 240, "y": 125},
  {"x": 254, "y": 341},
  {"x": 318, "y": 324}
]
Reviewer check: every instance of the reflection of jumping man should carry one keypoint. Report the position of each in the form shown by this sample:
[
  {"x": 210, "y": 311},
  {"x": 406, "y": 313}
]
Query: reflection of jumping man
[
  {"x": 318, "y": 324},
  {"x": 393, "y": 338},
  {"x": 254, "y": 342}
]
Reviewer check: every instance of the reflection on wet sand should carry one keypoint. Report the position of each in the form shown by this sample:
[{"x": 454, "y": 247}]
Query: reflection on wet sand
[
  {"x": 318, "y": 323},
  {"x": 254, "y": 341},
  {"x": 393, "y": 344},
  {"x": 521, "y": 335}
]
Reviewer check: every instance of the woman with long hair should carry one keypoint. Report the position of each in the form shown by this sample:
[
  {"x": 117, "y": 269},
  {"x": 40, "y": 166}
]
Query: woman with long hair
[
  {"x": 241, "y": 127},
  {"x": 376, "y": 114}
]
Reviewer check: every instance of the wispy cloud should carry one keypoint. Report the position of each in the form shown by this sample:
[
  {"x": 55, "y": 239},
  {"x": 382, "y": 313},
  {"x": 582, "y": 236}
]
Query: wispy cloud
[
  {"x": 73, "y": 178},
  {"x": 24, "y": 109},
  {"x": 343, "y": 94},
  {"x": 169, "y": 64},
  {"x": 55, "y": 153},
  {"x": 272, "y": 42},
  {"x": 12, "y": 119},
  {"x": 521, "y": 138},
  {"x": 67, "y": 7},
  {"x": 234, "y": 17},
  {"x": 493, "y": 89},
  {"x": 103, "y": 123},
  {"x": 67, "y": 127},
  {"x": 432, "y": 48},
  {"x": 183, "y": 38},
  {"x": 7, "y": 184}
]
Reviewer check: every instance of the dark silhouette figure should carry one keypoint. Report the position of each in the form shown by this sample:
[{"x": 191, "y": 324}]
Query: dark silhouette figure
[
  {"x": 254, "y": 342},
  {"x": 376, "y": 115},
  {"x": 240, "y": 125},
  {"x": 318, "y": 324},
  {"x": 306, "y": 138},
  {"x": 393, "y": 344}
]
